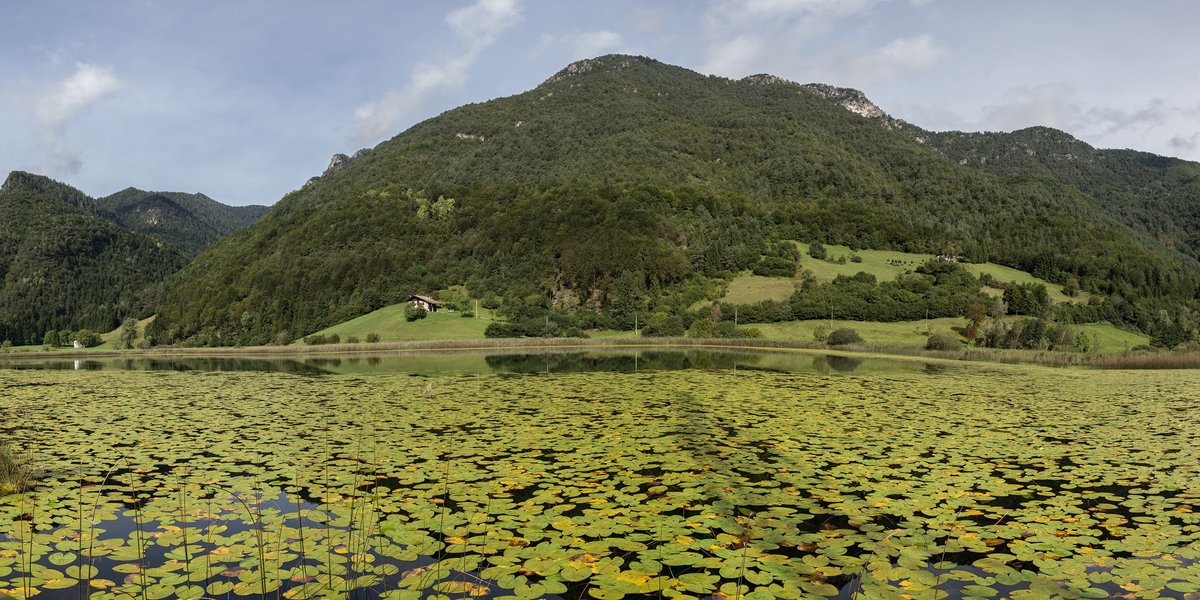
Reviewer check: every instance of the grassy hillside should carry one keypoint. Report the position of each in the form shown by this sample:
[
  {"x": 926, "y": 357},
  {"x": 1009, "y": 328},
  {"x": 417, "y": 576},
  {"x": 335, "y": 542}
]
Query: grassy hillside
[
  {"x": 914, "y": 333},
  {"x": 886, "y": 265},
  {"x": 389, "y": 324}
]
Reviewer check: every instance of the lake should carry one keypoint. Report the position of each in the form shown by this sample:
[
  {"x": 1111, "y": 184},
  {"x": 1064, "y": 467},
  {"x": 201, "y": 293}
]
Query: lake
[
  {"x": 686, "y": 475},
  {"x": 493, "y": 362}
]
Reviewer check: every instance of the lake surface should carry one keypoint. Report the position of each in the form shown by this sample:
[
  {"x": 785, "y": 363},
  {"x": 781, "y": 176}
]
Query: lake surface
[
  {"x": 706, "y": 476},
  {"x": 475, "y": 362}
]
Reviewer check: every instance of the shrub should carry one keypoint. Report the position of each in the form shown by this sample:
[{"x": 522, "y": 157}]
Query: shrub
[
  {"x": 502, "y": 329},
  {"x": 854, "y": 258},
  {"x": 775, "y": 266},
  {"x": 664, "y": 325},
  {"x": 413, "y": 313},
  {"x": 817, "y": 251},
  {"x": 333, "y": 339},
  {"x": 844, "y": 336},
  {"x": 372, "y": 338},
  {"x": 943, "y": 341},
  {"x": 89, "y": 339},
  {"x": 352, "y": 340},
  {"x": 467, "y": 314},
  {"x": 821, "y": 333},
  {"x": 314, "y": 340}
]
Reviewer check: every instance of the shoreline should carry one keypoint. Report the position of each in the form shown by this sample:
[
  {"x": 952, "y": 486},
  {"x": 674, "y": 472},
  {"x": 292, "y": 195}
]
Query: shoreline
[{"x": 978, "y": 355}]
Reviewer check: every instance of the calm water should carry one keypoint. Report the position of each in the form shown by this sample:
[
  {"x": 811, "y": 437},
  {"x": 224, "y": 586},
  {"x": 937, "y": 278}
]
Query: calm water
[{"x": 473, "y": 362}]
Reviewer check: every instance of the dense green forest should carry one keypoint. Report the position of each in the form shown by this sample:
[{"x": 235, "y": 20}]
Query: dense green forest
[
  {"x": 65, "y": 266},
  {"x": 621, "y": 183},
  {"x": 190, "y": 222}
]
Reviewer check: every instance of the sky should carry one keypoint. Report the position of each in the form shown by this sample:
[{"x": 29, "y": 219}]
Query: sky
[{"x": 245, "y": 100}]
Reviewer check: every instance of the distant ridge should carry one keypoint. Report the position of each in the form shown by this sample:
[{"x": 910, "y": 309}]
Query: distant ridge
[
  {"x": 64, "y": 265},
  {"x": 190, "y": 222}
]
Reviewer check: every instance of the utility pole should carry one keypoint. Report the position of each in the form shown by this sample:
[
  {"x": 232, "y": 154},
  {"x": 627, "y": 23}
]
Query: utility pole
[
  {"x": 735, "y": 321},
  {"x": 476, "y": 309},
  {"x": 635, "y": 325}
]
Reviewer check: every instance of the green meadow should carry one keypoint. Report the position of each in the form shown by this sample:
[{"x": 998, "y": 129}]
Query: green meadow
[
  {"x": 886, "y": 265},
  {"x": 947, "y": 480}
]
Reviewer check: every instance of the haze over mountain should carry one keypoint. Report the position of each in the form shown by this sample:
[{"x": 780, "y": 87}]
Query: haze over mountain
[{"x": 620, "y": 180}]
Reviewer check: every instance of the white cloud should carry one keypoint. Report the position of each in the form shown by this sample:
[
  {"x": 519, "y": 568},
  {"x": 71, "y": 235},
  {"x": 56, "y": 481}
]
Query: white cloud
[
  {"x": 55, "y": 109},
  {"x": 898, "y": 58},
  {"x": 476, "y": 27},
  {"x": 482, "y": 23},
  {"x": 748, "y": 35},
  {"x": 588, "y": 44}
]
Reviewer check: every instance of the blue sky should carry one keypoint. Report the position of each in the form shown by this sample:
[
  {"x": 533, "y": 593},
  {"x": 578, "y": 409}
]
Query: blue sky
[{"x": 246, "y": 100}]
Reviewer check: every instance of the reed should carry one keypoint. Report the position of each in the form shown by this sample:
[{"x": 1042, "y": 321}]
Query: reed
[{"x": 16, "y": 475}]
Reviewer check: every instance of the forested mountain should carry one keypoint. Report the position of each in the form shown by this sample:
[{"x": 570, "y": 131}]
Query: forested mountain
[
  {"x": 64, "y": 265},
  {"x": 621, "y": 182},
  {"x": 190, "y": 222},
  {"x": 1157, "y": 196}
]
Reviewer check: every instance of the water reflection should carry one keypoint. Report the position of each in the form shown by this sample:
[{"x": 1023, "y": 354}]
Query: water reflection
[{"x": 524, "y": 361}]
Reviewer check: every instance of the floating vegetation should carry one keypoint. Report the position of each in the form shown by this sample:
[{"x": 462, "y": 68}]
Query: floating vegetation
[{"x": 959, "y": 482}]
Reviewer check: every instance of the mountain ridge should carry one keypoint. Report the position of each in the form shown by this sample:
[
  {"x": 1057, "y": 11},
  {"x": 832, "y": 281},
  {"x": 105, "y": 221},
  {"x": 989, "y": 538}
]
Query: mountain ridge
[
  {"x": 64, "y": 265},
  {"x": 190, "y": 222},
  {"x": 620, "y": 182}
]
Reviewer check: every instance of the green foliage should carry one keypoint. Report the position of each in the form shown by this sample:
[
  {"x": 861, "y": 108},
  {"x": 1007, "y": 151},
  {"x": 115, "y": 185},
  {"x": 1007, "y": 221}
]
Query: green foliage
[
  {"x": 943, "y": 341},
  {"x": 413, "y": 312},
  {"x": 87, "y": 338},
  {"x": 613, "y": 202},
  {"x": 189, "y": 222},
  {"x": 1026, "y": 299},
  {"x": 662, "y": 324},
  {"x": 817, "y": 251},
  {"x": 822, "y": 331},
  {"x": 844, "y": 336},
  {"x": 775, "y": 266},
  {"x": 129, "y": 333},
  {"x": 372, "y": 338},
  {"x": 64, "y": 265}
]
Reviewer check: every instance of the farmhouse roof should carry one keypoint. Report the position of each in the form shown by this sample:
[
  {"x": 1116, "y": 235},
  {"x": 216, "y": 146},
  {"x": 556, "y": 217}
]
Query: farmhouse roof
[{"x": 425, "y": 299}]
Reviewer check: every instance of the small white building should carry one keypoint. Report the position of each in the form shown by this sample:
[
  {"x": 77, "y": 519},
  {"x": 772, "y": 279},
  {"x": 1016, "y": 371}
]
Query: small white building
[{"x": 424, "y": 303}]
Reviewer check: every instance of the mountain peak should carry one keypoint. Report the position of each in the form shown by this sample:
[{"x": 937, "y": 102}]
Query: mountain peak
[
  {"x": 44, "y": 186},
  {"x": 766, "y": 79},
  {"x": 608, "y": 62}
]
